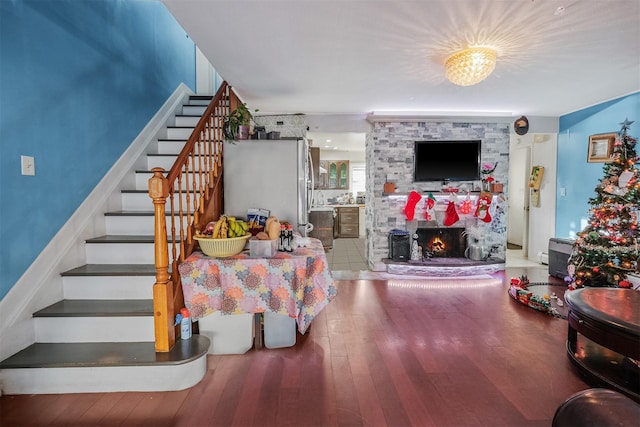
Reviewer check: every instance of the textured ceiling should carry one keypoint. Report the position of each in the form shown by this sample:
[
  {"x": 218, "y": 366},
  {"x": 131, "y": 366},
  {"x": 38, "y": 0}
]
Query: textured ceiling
[{"x": 343, "y": 56}]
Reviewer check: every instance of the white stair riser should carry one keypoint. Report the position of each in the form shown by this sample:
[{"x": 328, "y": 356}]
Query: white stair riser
[
  {"x": 179, "y": 133},
  {"x": 119, "y": 253},
  {"x": 166, "y": 162},
  {"x": 199, "y": 101},
  {"x": 131, "y": 225},
  {"x": 187, "y": 120},
  {"x": 193, "y": 110},
  {"x": 141, "y": 202},
  {"x": 108, "y": 287},
  {"x": 170, "y": 147},
  {"x": 94, "y": 329},
  {"x": 142, "y": 179},
  {"x": 103, "y": 379}
]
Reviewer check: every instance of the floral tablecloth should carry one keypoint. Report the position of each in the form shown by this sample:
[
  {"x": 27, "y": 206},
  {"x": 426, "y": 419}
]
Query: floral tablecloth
[{"x": 297, "y": 284}]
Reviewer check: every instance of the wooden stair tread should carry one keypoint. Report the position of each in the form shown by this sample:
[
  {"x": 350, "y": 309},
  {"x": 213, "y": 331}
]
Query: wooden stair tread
[
  {"x": 67, "y": 355},
  {"x": 97, "y": 308},
  {"x": 112, "y": 270},
  {"x": 132, "y": 213},
  {"x": 144, "y": 192},
  {"x": 124, "y": 238}
]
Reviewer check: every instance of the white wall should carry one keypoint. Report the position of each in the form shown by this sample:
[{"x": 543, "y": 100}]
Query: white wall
[{"x": 542, "y": 217}]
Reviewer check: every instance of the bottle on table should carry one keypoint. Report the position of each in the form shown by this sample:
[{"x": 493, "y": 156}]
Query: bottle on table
[
  {"x": 289, "y": 245},
  {"x": 282, "y": 238}
]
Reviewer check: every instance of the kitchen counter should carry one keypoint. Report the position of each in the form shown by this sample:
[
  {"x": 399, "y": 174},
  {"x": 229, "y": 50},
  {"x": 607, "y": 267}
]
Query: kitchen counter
[
  {"x": 349, "y": 205},
  {"x": 322, "y": 209}
]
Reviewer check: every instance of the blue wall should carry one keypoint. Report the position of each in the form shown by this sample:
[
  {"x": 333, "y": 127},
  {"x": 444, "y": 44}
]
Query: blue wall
[
  {"x": 79, "y": 80},
  {"x": 575, "y": 175}
]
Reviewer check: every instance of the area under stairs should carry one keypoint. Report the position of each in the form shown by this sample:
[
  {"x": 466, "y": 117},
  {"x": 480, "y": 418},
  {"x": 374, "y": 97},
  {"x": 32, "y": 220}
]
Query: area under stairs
[{"x": 100, "y": 337}]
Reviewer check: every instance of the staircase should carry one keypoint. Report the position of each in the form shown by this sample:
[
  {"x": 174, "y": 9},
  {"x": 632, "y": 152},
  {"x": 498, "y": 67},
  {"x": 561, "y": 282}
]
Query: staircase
[{"x": 100, "y": 337}]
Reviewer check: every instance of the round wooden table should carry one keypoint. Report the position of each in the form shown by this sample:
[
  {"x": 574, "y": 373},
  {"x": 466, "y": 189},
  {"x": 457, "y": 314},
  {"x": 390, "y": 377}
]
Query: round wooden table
[{"x": 608, "y": 320}]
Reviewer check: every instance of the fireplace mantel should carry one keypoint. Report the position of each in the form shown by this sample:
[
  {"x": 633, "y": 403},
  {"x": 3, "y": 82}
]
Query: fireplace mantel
[{"x": 390, "y": 158}]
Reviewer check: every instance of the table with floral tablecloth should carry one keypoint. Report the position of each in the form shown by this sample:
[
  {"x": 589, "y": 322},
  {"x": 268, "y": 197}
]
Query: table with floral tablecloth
[{"x": 297, "y": 284}]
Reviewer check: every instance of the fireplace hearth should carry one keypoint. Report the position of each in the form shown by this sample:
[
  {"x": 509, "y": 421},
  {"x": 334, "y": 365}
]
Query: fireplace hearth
[{"x": 442, "y": 242}]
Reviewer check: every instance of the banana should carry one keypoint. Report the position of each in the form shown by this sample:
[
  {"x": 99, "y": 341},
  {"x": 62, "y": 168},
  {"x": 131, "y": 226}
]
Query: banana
[
  {"x": 224, "y": 229},
  {"x": 216, "y": 229},
  {"x": 235, "y": 230},
  {"x": 228, "y": 227}
]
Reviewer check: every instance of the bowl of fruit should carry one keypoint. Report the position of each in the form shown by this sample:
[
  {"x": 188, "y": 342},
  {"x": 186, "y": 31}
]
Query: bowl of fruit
[{"x": 224, "y": 237}]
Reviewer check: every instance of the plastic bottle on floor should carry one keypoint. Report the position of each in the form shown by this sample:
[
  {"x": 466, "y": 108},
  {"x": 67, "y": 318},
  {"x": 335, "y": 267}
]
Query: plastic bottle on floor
[{"x": 185, "y": 324}]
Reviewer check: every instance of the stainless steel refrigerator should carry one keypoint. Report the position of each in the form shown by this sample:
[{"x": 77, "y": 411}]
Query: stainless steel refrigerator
[{"x": 270, "y": 174}]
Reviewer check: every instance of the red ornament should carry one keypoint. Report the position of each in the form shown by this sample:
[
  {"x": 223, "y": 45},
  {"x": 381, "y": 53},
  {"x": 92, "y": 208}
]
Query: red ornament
[
  {"x": 596, "y": 269},
  {"x": 624, "y": 284}
]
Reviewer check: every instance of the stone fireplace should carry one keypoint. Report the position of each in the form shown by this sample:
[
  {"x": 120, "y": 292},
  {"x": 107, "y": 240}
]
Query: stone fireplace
[{"x": 443, "y": 242}]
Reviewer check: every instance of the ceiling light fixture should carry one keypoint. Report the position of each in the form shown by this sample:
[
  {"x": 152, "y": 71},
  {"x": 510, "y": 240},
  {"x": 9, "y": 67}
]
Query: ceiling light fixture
[{"x": 470, "y": 66}]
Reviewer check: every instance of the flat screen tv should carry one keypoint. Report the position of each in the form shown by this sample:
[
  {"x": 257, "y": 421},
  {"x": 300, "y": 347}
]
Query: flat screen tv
[{"x": 446, "y": 161}]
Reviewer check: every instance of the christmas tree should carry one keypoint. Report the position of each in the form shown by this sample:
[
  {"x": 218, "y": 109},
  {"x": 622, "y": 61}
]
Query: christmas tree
[{"x": 606, "y": 251}]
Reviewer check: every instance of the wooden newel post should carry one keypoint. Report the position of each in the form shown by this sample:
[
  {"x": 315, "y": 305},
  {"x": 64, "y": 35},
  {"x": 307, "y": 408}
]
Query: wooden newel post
[{"x": 163, "y": 288}]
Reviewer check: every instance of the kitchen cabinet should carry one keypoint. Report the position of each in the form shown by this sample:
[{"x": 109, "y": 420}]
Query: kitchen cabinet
[
  {"x": 347, "y": 221},
  {"x": 322, "y": 221},
  {"x": 337, "y": 175},
  {"x": 315, "y": 161}
]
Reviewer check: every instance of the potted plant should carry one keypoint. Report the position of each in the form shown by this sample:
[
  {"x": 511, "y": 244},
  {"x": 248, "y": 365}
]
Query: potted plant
[{"x": 236, "y": 124}]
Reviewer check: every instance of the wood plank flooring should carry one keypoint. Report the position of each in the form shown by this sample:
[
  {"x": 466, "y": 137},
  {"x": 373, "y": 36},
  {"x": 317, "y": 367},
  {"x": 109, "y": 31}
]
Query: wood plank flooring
[{"x": 396, "y": 353}]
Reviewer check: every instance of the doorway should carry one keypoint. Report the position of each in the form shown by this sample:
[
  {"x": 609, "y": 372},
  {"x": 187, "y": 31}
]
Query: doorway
[{"x": 518, "y": 219}]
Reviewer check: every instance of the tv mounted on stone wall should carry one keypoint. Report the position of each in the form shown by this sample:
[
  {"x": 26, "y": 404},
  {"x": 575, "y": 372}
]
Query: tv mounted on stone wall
[{"x": 446, "y": 161}]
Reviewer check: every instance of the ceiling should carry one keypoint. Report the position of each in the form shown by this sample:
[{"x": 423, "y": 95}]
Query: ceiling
[{"x": 357, "y": 57}]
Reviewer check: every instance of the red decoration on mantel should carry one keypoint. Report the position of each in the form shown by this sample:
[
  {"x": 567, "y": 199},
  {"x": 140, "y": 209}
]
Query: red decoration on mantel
[
  {"x": 410, "y": 207},
  {"x": 451, "y": 217},
  {"x": 466, "y": 205}
]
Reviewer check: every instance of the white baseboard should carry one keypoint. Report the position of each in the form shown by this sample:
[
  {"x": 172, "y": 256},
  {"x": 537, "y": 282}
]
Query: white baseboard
[{"x": 543, "y": 258}]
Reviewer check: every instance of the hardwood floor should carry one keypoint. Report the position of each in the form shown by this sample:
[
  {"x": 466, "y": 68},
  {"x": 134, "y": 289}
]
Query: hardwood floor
[{"x": 397, "y": 353}]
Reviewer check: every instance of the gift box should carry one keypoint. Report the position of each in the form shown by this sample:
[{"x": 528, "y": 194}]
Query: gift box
[{"x": 257, "y": 217}]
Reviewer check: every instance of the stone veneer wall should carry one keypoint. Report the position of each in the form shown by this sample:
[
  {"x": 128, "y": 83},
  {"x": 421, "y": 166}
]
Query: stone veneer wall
[
  {"x": 389, "y": 157},
  {"x": 289, "y": 125}
]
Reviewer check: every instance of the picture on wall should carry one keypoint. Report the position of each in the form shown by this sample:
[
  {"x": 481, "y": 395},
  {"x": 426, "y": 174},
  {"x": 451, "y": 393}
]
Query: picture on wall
[{"x": 601, "y": 147}]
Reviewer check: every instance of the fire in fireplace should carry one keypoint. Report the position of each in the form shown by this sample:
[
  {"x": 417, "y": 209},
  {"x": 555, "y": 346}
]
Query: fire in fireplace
[{"x": 449, "y": 242}]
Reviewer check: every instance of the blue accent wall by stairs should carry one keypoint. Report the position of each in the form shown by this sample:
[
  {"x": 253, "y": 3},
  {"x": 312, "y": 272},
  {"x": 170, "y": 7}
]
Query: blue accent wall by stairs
[{"x": 79, "y": 81}]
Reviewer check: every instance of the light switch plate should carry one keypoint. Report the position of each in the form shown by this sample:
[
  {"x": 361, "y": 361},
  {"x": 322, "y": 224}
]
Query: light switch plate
[{"x": 28, "y": 165}]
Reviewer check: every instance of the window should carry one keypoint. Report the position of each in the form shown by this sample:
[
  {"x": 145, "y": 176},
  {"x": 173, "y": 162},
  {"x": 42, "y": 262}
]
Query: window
[{"x": 358, "y": 179}]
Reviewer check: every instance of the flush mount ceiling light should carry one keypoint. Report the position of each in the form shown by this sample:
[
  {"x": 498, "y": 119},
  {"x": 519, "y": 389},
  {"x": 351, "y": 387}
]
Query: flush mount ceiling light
[{"x": 470, "y": 66}]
